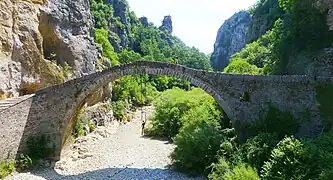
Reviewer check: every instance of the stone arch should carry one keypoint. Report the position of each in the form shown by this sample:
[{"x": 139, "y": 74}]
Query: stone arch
[{"x": 96, "y": 80}]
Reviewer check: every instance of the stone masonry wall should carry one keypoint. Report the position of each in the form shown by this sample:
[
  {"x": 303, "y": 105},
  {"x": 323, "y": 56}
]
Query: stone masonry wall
[{"x": 12, "y": 125}]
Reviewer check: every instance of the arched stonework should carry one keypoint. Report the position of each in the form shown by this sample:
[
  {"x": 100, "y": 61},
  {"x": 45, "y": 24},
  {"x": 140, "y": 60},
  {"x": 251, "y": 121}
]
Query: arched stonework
[
  {"x": 196, "y": 77},
  {"x": 242, "y": 97},
  {"x": 97, "y": 80}
]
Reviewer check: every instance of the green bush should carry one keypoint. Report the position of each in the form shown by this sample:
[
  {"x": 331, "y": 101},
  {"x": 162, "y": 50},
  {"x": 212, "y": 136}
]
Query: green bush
[
  {"x": 198, "y": 140},
  {"x": 241, "y": 172},
  {"x": 162, "y": 83},
  {"x": 320, "y": 151},
  {"x": 6, "y": 168},
  {"x": 171, "y": 105},
  {"x": 127, "y": 56},
  {"x": 288, "y": 160},
  {"x": 240, "y": 66},
  {"x": 229, "y": 148},
  {"x": 219, "y": 169},
  {"x": 134, "y": 89},
  {"x": 120, "y": 110},
  {"x": 256, "y": 150},
  {"x": 79, "y": 128},
  {"x": 196, "y": 124},
  {"x": 25, "y": 162}
]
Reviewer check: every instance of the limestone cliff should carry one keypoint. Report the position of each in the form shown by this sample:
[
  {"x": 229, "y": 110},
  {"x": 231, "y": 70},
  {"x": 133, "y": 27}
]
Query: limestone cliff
[
  {"x": 167, "y": 24},
  {"x": 44, "y": 43},
  {"x": 230, "y": 39},
  {"x": 119, "y": 32},
  {"x": 144, "y": 21}
]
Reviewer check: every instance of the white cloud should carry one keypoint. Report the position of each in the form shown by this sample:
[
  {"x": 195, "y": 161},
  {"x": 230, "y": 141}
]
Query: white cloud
[{"x": 196, "y": 22}]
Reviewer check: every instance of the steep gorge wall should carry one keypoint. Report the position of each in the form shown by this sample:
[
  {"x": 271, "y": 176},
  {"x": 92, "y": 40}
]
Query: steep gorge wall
[
  {"x": 230, "y": 39},
  {"x": 264, "y": 14},
  {"x": 44, "y": 43}
]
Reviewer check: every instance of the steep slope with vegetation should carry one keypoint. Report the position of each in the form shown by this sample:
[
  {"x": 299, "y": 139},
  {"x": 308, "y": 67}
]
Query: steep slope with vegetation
[{"x": 298, "y": 39}]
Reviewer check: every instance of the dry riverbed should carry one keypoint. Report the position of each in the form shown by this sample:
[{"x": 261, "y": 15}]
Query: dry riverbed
[{"x": 116, "y": 151}]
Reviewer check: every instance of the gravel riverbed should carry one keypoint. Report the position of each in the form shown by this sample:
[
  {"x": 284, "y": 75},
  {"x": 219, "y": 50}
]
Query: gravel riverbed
[{"x": 116, "y": 151}]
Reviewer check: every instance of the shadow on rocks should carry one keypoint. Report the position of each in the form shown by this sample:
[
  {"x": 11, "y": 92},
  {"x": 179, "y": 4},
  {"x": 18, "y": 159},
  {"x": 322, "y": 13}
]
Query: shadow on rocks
[
  {"x": 165, "y": 139},
  {"x": 119, "y": 174}
]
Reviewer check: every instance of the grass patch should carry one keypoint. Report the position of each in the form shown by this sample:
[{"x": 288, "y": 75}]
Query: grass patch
[{"x": 6, "y": 168}]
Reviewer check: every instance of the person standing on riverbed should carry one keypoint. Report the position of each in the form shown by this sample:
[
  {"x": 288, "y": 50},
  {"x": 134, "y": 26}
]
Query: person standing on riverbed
[{"x": 143, "y": 124}]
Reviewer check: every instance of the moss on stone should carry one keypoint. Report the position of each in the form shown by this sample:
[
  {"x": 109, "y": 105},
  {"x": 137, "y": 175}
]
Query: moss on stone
[{"x": 324, "y": 96}]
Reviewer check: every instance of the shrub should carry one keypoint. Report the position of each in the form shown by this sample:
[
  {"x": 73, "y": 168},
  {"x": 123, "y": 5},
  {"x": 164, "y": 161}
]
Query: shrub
[
  {"x": 120, "y": 109},
  {"x": 25, "y": 162},
  {"x": 134, "y": 89},
  {"x": 229, "y": 150},
  {"x": 172, "y": 105},
  {"x": 256, "y": 150},
  {"x": 320, "y": 151},
  {"x": 197, "y": 144},
  {"x": 6, "y": 168},
  {"x": 240, "y": 172},
  {"x": 199, "y": 138},
  {"x": 288, "y": 160},
  {"x": 79, "y": 128},
  {"x": 241, "y": 66},
  {"x": 194, "y": 121},
  {"x": 219, "y": 169}
]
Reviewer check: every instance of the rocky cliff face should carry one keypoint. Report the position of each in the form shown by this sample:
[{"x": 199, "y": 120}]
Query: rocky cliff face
[
  {"x": 44, "y": 43},
  {"x": 167, "y": 24},
  {"x": 230, "y": 39},
  {"x": 121, "y": 11},
  {"x": 144, "y": 21},
  {"x": 67, "y": 31}
]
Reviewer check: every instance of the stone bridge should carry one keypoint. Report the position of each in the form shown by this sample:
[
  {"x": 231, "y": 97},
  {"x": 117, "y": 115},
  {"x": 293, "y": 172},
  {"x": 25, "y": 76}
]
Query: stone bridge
[{"x": 51, "y": 110}]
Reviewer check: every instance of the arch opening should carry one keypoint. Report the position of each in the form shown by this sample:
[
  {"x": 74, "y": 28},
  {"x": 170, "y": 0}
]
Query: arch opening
[{"x": 94, "y": 81}]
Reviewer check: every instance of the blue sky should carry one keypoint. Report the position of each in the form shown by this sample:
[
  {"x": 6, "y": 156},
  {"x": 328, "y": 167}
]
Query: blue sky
[{"x": 196, "y": 22}]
